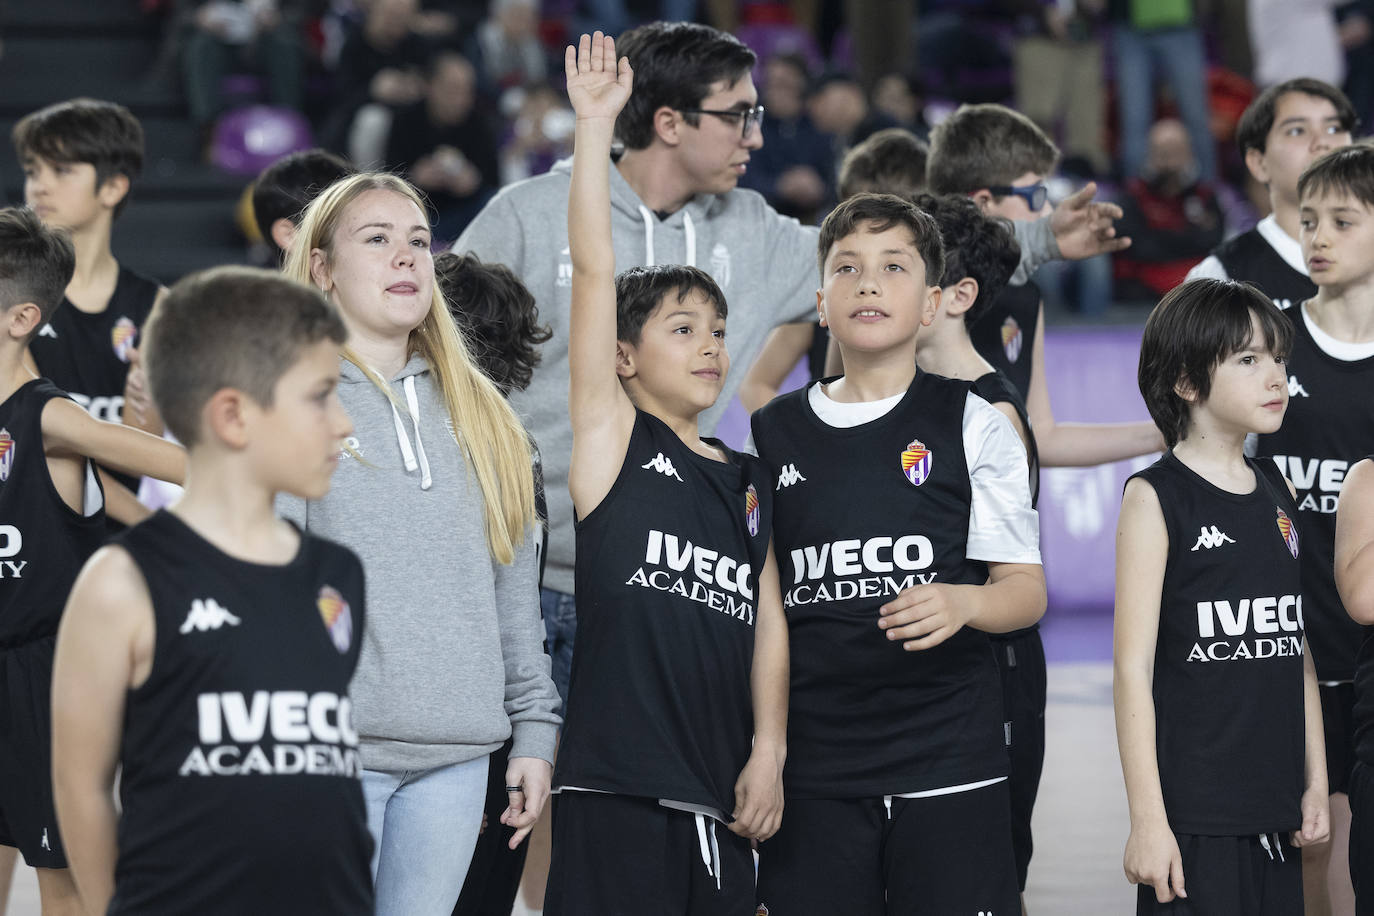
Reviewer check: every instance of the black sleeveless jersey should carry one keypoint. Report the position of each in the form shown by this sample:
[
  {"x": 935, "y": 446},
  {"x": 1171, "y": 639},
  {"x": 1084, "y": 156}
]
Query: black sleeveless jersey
[
  {"x": 241, "y": 783},
  {"x": 659, "y": 701},
  {"x": 1228, "y": 674},
  {"x": 43, "y": 541},
  {"x": 87, "y": 354},
  {"x": 1328, "y": 426},
  {"x": 1364, "y": 697},
  {"x": 1004, "y": 335},
  {"x": 860, "y": 515},
  {"x": 1250, "y": 257}
]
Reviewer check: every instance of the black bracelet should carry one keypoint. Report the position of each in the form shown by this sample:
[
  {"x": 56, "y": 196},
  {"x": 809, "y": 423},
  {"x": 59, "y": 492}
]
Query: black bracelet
[{"x": 514, "y": 789}]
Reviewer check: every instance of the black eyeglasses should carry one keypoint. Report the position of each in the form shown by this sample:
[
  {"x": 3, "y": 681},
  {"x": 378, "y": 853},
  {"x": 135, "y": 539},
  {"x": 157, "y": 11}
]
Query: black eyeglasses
[
  {"x": 1034, "y": 194},
  {"x": 749, "y": 118}
]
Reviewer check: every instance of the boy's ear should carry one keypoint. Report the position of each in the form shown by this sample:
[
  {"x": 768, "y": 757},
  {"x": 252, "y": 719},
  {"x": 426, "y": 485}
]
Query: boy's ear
[
  {"x": 668, "y": 125},
  {"x": 1186, "y": 390},
  {"x": 820, "y": 307},
  {"x": 983, "y": 198},
  {"x": 1254, "y": 161},
  {"x": 932, "y": 307},
  {"x": 112, "y": 191},
  {"x": 959, "y": 297},
  {"x": 624, "y": 360},
  {"x": 21, "y": 320},
  {"x": 283, "y": 233},
  {"x": 226, "y": 417},
  {"x": 319, "y": 270}
]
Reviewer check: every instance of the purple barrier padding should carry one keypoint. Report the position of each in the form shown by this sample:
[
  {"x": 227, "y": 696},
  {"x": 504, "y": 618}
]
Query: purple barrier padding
[{"x": 1091, "y": 376}]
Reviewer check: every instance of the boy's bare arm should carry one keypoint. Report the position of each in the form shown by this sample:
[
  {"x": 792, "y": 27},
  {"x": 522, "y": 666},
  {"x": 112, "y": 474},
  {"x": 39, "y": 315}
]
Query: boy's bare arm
[
  {"x": 70, "y": 431},
  {"x": 1079, "y": 444},
  {"x": 785, "y": 345},
  {"x": 120, "y": 502},
  {"x": 1142, "y": 549},
  {"x": 1355, "y": 543},
  {"x": 924, "y": 616},
  {"x": 104, "y": 648},
  {"x": 1316, "y": 795},
  {"x": 601, "y": 412},
  {"x": 758, "y": 791},
  {"x": 139, "y": 410}
]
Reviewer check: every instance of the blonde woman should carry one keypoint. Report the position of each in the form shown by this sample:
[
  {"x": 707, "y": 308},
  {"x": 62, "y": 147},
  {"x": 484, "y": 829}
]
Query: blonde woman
[{"x": 434, "y": 491}]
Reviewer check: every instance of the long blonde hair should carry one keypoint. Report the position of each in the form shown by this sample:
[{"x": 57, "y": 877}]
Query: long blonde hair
[{"x": 491, "y": 436}]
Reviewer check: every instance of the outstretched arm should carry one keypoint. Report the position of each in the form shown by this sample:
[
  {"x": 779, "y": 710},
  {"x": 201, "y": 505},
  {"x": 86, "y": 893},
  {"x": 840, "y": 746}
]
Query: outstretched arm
[
  {"x": 68, "y": 431},
  {"x": 602, "y": 415}
]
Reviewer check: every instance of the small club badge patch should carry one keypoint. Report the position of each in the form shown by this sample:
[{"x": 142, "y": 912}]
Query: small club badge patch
[
  {"x": 338, "y": 617},
  {"x": 1289, "y": 532},
  {"x": 751, "y": 510},
  {"x": 916, "y": 462},
  {"x": 1011, "y": 339},
  {"x": 6, "y": 455},
  {"x": 123, "y": 337}
]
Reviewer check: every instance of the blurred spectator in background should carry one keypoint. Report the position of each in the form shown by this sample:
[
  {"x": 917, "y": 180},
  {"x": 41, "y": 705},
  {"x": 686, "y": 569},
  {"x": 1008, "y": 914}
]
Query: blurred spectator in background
[
  {"x": 902, "y": 97},
  {"x": 381, "y": 68},
  {"x": 795, "y": 169},
  {"x": 447, "y": 145},
  {"x": 1294, "y": 38},
  {"x": 891, "y": 161},
  {"x": 1152, "y": 39},
  {"x": 506, "y": 49},
  {"x": 838, "y": 107},
  {"x": 1174, "y": 220},
  {"x": 1057, "y": 70},
  {"x": 221, "y": 36},
  {"x": 1356, "y": 29},
  {"x": 541, "y": 134}
]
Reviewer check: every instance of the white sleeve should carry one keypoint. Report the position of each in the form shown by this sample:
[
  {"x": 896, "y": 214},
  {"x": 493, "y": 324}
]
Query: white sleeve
[
  {"x": 1209, "y": 268},
  {"x": 1002, "y": 525}
]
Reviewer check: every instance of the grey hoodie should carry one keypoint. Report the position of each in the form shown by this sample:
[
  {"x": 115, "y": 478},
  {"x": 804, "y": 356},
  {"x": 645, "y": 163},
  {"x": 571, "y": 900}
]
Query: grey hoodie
[
  {"x": 765, "y": 264},
  {"x": 452, "y": 656}
]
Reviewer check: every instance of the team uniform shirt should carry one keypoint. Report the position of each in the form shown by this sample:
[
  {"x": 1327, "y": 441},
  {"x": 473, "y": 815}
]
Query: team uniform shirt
[
  {"x": 1228, "y": 674},
  {"x": 241, "y": 788},
  {"x": 1005, "y": 334},
  {"x": 871, "y": 499},
  {"x": 659, "y": 702},
  {"x": 1328, "y": 426},
  {"x": 1265, "y": 256}
]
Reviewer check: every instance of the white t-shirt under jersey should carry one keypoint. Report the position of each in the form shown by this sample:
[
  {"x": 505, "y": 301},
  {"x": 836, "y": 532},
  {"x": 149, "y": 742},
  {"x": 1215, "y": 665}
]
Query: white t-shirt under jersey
[{"x": 1287, "y": 247}]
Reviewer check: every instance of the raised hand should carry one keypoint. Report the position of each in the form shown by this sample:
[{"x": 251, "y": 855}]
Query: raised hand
[{"x": 597, "y": 87}]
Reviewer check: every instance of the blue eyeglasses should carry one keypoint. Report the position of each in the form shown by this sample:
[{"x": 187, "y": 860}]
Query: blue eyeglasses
[
  {"x": 1035, "y": 195},
  {"x": 748, "y": 117}
]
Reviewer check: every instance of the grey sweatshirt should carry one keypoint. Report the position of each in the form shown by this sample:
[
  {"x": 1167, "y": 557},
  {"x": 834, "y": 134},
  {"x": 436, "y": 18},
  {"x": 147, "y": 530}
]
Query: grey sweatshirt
[
  {"x": 765, "y": 264},
  {"x": 452, "y": 657}
]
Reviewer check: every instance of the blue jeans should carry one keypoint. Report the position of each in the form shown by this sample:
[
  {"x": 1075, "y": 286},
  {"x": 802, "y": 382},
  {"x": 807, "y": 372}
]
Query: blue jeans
[
  {"x": 560, "y": 626},
  {"x": 1176, "y": 55},
  {"x": 425, "y": 823}
]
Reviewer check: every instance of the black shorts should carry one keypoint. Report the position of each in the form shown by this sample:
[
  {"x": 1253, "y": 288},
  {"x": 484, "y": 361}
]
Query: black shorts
[
  {"x": 1021, "y": 662},
  {"x": 621, "y": 855},
  {"x": 27, "y": 819},
  {"x": 1233, "y": 876},
  {"x": 1362, "y": 836},
  {"x": 1338, "y": 724},
  {"x": 938, "y": 855}
]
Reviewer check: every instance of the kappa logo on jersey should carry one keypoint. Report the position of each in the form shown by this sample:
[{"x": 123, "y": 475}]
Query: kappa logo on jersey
[
  {"x": 312, "y": 734},
  {"x": 123, "y": 336},
  {"x": 1254, "y": 628},
  {"x": 338, "y": 617},
  {"x": 1011, "y": 339},
  {"x": 663, "y": 465},
  {"x": 720, "y": 265},
  {"x": 1289, "y": 532},
  {"x": 6, "y": 455},
  {"x": 788, "y": 476},
  {"x": 1295, "y": 389},
  {"x": 1212, "y": 538},
  {"x": 48, "y": 331},
  {"x": 751, "y": 510},
  {"x": 916, "y": 462},
  {"x": 208, "y": 614}
]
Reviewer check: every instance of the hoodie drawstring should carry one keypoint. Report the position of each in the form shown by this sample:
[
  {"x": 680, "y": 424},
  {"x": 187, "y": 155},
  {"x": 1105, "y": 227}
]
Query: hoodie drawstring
[
  {"x": 408, "y": 454},
  {"x": 710, "y": 850},
  {"x": 689, "y": 229}
]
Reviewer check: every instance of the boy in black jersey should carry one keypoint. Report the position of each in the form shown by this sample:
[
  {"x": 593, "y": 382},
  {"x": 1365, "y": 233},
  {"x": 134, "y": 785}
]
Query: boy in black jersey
[
  {"x": 80, "y": 158},
  {"x": 51, "y": 520},
  {"x": 207, "y": 651},
  {"x": 1283, "y": 131},
  {"x": 1329, "y": 425},
  {"x": 1217, "y": 713},
  {"x": 1354, "y": 566},
  {"x": 903, "y": 519},
  {"x": 681, "y": 657}
]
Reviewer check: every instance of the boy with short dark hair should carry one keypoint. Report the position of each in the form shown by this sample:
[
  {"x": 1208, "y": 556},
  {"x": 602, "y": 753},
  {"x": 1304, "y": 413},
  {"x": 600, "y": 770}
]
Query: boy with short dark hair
[
  {"x": 897, "y": 767},
  {"x": 208, "y": 650},
  {"x": 1330, "y": 425},
  {"x": 51, "y": 507},
  {"x": 1283, "y": 131},
  {"x": 891, "y": 161},
  {"x": 681, "y": 659},
  {"x": 286, "y": 187},
  {"x": 1217, "y": 713}
]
